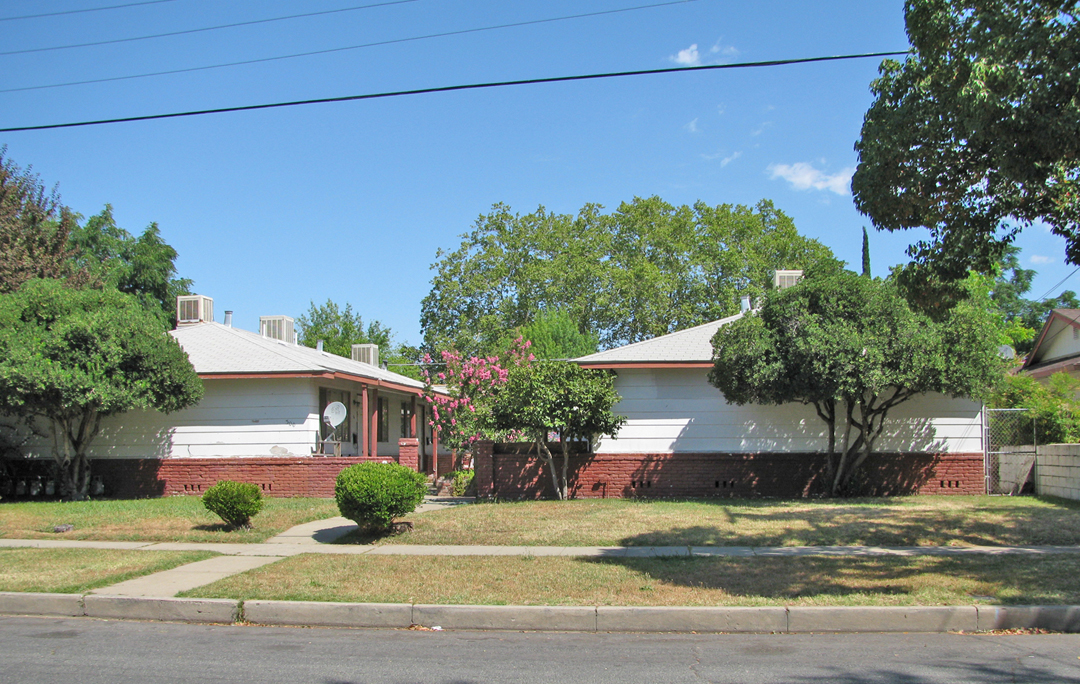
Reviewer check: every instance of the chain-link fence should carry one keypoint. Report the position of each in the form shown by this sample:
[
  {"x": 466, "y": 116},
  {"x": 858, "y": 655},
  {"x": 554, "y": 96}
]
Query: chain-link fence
[{"x": 1010, "y": 445}]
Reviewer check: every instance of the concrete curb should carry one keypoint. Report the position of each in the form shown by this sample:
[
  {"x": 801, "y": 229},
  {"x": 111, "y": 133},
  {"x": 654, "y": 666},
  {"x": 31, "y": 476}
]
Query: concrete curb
[
  {"x": 690, "y": 619},
  {"x": 161, "y": 609},
  {"x": 768, "y": 619},
  {"x": 62, "y": 605},
  {"x": 318, "y": 614},
  {"x": 882, "y": 619}
]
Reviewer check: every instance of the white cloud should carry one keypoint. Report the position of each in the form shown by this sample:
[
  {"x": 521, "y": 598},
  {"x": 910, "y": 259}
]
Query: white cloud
[
  {"x": 724, "y": 161},
  {"x": 1039, "y": 259},
  {"x": 724, "y": 51},
  {"x": 803, "y": 176},
  {"x": 692, "y": 126},
  {"x": 687, "y": 57},
  {"x": 761, "y": 129},
  {"x": 720, "y": 109}
]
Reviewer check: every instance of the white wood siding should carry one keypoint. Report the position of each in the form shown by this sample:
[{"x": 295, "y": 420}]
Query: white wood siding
[
  {"x": 677, "y": 410},
  {"x": 1064, "y": 342}
]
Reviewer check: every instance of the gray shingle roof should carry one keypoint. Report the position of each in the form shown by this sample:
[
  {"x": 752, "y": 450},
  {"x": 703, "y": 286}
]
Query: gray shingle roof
[
  {"x": 215, "y": 348},
  {"x": 685, "y": 346}
]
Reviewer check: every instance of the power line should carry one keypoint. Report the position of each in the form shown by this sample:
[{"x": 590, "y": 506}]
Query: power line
[
  {"x": 347, "y": 48},
  {"x": 445, "y": 89},
  {"x": 204, "y": 29},
  {"x": 1059, "y": 283},
  {"x": 81, "y": 11}
]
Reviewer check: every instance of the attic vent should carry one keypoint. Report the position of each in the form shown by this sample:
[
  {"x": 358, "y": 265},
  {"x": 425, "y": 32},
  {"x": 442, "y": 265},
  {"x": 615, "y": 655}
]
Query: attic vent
[
  {"x": 192, "y": 309},
  {"x": 278, "y": 328},
  {"x": 366, "y": 353},
  {"x": 785, "y": 279}
]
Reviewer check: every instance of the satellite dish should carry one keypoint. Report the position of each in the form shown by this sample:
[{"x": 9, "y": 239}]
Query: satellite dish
[{"x": 334, "y": 414}]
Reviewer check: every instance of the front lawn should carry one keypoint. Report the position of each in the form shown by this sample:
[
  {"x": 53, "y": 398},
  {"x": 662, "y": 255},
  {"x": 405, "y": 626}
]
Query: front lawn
[
  {"x": 175, "y": 518},
  {"x": 760, "y": 581},
  {"x": 76, "y": 571},
  {"x": 899, "y": 521}
]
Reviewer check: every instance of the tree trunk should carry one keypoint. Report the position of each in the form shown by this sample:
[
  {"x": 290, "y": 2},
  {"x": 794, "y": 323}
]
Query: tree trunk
[
  {"x": 545, "y": 453},
  {"x": 70, "y": 444},
  {"x": 564, "y": 493}
]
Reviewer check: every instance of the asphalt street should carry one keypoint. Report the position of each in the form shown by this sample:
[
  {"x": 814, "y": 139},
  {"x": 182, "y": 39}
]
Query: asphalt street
[{"x": 98, "y": 651}]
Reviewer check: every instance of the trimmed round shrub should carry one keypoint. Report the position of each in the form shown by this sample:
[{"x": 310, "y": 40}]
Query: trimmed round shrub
[
  {"x": 461, "y": 482},
  {"x": 235, "y": 502},
  {"x": 373, "y": 494}
]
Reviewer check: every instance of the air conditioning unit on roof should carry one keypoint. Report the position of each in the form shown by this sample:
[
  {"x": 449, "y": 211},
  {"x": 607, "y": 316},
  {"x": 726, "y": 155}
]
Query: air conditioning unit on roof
[
  {"x": 281, "y": 328},
  {"x": 366, "y": 353},
  {"x": 193, "y": 309}
]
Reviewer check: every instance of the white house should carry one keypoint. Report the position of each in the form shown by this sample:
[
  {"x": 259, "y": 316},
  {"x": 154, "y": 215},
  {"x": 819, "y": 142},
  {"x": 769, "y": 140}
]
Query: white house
[
  {"x": 681, "y": 438},
  {"x": 260, "y": 419},
  {"x": 1057, "y": 348}
]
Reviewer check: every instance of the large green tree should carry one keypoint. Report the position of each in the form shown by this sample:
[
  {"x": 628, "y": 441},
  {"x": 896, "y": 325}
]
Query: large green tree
[
  {"x": 556, "y": 397},
  {"x": 976, "y": 135},
  {"x": 646, "y": 269},
  {"x": 143, "y": 266},
  {"x": 555, "y": 335},
  {"x": 71, "y": 357},
  {"x": 853, "y": 348},
  {"x": 340, "y": 328}
]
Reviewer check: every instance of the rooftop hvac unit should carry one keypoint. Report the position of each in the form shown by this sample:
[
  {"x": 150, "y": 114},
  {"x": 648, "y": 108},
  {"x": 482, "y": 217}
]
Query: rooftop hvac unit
[
  {"x": 366, "y": 353},
  {"x": 785, "y": 279},
  {"x": 278, "y": 328},
  {"x": 192, "y": 309}
]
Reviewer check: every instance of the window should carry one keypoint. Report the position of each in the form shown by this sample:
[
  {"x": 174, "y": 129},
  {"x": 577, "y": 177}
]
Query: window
[
  {"x": 384, "y": 419},
  {"x": 328, "y": 396},
  {"x": 406, "y": 419}
]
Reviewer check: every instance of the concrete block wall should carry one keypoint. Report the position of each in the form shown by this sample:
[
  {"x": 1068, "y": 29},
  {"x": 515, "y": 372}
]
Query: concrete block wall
[
  {"x": 1057, "y": 471},
  {"x": 787, "y": 475}
]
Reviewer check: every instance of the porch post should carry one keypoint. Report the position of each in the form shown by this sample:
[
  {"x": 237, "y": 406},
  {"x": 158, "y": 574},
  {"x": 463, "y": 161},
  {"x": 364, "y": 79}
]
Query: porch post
[
  {"x": 364, "y": 423},
  {"x": 373, "y": 427},
  {"x": 435, "y": 450}
]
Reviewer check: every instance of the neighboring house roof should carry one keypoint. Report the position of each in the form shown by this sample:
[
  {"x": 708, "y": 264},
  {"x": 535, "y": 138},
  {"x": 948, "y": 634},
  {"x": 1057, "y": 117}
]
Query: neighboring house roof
[
  {"x": 218, "y": 351},
  {"x": 1044, "y": 359},
  {"x": 686, "y": 348}
]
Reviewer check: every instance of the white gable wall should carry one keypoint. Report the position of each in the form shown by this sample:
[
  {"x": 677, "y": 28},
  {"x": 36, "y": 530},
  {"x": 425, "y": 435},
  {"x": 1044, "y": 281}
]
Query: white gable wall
[
  {"x": 677, "y": 410},
  {"x": 1064, "y": 341}
]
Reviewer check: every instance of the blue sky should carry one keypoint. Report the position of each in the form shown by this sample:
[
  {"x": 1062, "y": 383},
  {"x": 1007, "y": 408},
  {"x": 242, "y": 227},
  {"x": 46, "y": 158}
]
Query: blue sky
[{"x": 271, "y": 210}]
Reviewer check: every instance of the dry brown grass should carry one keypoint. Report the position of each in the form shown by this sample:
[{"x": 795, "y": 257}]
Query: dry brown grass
[
  {"x": 73, "y": 571},
  {"x": 177, "y": 518},
  {"x": 900, "y": 521},
  {"x": 760, "y": 581}
]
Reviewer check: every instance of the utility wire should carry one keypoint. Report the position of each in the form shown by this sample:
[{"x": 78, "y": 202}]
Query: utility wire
[
  {"x": 204, "y": 29},
  {"x": 1060, "y": 282},
  {"x": 445, "y": 89},
  {"x": 350, "y": 47},
  {"x": 81, "y": 11}
]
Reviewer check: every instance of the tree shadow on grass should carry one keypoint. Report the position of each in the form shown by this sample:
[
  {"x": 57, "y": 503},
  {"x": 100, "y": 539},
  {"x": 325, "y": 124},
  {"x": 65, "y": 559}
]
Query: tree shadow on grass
[
  {"x": 872, "y": 522},
  {"x": 1012, "y": 580}
]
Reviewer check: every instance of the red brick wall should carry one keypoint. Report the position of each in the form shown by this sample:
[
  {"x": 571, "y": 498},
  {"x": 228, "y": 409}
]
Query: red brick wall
[
  {"x": 276, "y": 476},
  {"x": 514, "y": 476}
]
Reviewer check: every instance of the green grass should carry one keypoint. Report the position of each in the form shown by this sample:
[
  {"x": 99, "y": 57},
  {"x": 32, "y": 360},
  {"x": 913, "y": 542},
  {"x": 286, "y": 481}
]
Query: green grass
[
  {"x": 76, "y": 571},
  {"x": 760, "y": 581},
  {"x": 176, "y": 518},
  {"x": 898, "y": 521}
]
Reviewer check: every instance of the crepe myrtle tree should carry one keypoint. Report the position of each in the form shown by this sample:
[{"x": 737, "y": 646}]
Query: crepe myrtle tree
[
  {"x": 71, "y": 357},
  {"x": 853, "y": 348},
  {"x": 557, "y": 398},
  {"x": 461, "y": 407}
]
